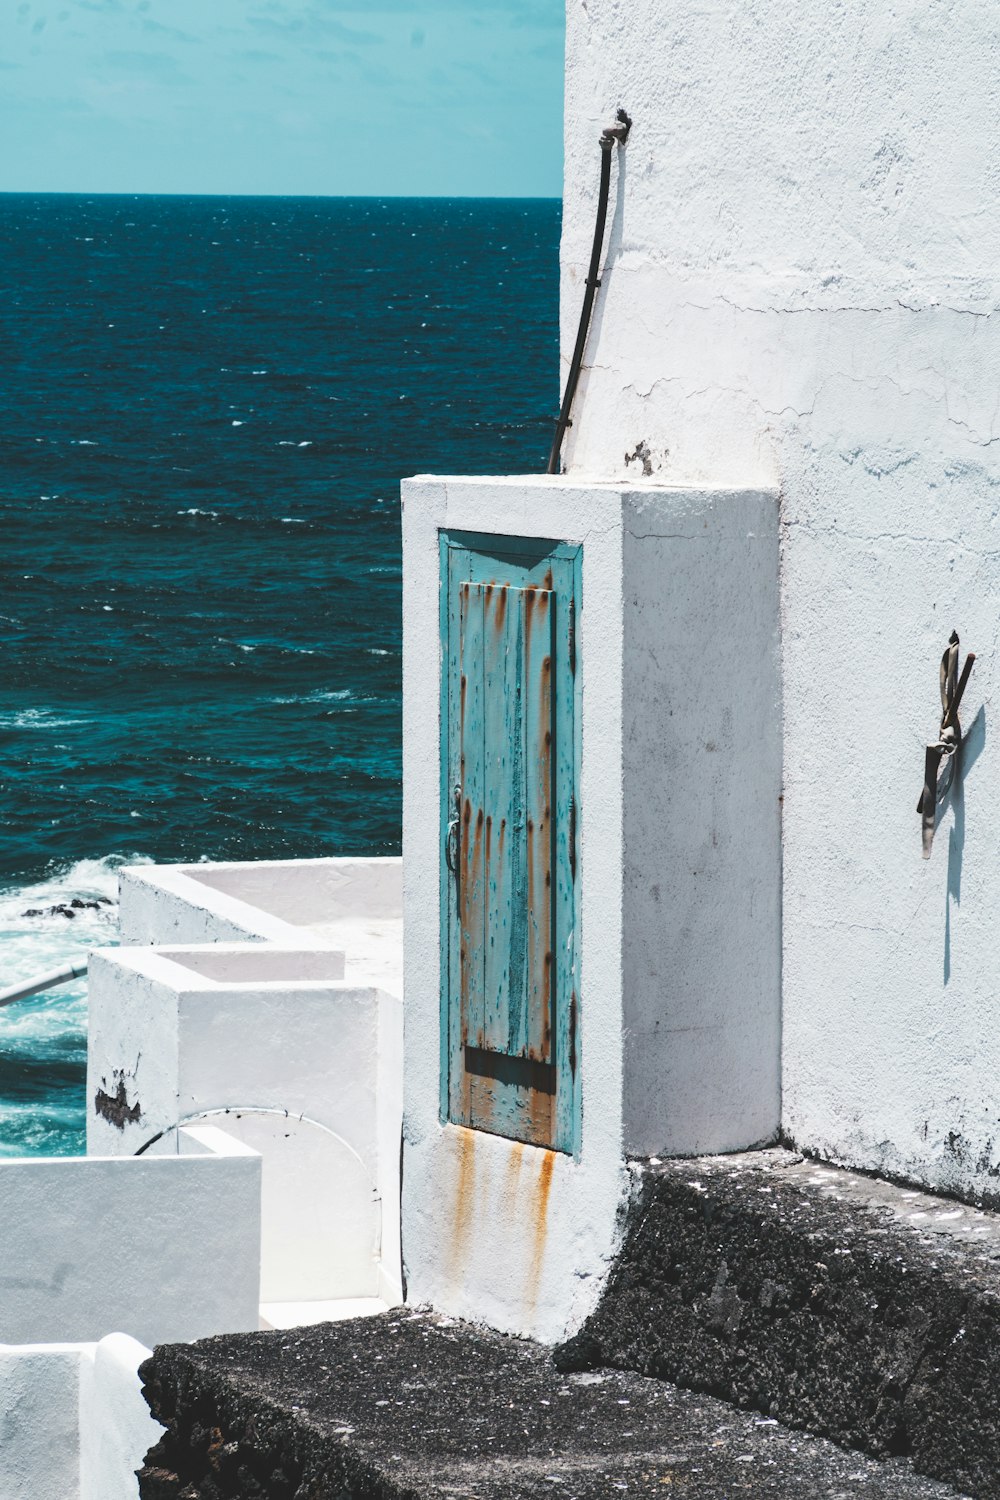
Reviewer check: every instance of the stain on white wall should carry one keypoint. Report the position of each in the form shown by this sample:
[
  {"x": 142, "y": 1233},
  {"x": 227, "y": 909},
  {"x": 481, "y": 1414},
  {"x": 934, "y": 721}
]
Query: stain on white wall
[{"x": 679, "y": 962}]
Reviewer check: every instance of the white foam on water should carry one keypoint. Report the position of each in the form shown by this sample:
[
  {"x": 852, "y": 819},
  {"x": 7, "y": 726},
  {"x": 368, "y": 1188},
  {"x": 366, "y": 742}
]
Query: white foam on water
[
  {"x": 337, "y": 696},
  {"x": 35, "y": 1129},
  {"x": 34, "y": 945},
  {"x": 37, "y": 718}
]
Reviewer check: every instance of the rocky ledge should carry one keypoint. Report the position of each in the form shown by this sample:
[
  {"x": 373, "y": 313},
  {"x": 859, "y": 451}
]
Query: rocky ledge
[
  {"x": 862, "y": 1311},
  {"x": 411, "y": 1405}
]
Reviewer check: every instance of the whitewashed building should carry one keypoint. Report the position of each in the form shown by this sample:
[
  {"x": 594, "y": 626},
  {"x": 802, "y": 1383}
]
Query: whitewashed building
[{"x": 712, "y": 924}]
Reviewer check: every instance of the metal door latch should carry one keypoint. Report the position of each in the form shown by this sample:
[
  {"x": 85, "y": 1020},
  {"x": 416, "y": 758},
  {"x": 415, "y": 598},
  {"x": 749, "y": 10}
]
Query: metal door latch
[
  {"x": 451, "y": 838},
  {"x": 949, "y": 739}
]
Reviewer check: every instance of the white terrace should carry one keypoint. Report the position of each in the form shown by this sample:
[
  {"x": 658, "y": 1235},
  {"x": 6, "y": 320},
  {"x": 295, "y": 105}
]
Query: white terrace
[{"x": 244, "y": 1113}]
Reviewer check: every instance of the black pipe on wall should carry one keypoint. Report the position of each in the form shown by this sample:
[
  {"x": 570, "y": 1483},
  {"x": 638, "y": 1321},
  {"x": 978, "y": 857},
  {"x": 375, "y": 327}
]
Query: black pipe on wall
[{"x": 612, "y": 134}]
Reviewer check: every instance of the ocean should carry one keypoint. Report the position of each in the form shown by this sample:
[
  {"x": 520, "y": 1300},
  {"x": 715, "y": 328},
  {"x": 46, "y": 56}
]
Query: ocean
[{"x": 206, "y": 406}]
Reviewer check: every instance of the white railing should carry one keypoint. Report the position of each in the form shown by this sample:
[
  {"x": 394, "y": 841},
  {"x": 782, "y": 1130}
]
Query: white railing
[{"x": 42, "y": 982}]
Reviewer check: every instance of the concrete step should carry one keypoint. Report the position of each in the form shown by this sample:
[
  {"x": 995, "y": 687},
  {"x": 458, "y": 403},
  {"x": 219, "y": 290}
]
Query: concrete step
[
  {"x": 862, "y": 1311},
  {"x": 411, "y": 1405},
  {"x": 335, "y": 1310}
]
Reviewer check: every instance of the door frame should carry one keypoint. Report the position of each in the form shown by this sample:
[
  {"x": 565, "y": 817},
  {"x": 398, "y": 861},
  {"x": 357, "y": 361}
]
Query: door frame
[{"x": 519, "y": 552}]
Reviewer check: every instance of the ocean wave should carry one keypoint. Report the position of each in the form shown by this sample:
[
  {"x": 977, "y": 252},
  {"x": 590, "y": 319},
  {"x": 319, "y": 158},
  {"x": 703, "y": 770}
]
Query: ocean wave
[
  {"x": 43, "y": 1128},
  {"x": 37, "y": 933},
  {"x": 342, "y": 696},
  {"x": 43, "y": 1061},
  {"x": 37, "y": 718},
  {"x": 337, "y": 695}
]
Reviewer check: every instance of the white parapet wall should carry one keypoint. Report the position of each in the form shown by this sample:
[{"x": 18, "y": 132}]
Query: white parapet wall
[
  {"x": 116, "y": 1427},
  {"x": 163, "y": 1248},
  {"x": 352, "y": 904},
  {"x": 40, "y": 1420},
  {"x": 297, "y": 1062},
  {"x": 678, "y": 880},
  {"x": 801, "y": 290},
  {"x": 73, "y": 1421}
]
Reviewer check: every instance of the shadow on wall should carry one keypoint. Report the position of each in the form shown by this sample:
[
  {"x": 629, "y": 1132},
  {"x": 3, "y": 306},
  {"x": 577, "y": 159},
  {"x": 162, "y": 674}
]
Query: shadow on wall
[{"x": 953, "y": 794}]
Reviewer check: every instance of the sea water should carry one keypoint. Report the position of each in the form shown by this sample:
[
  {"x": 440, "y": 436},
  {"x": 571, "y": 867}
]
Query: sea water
[{"x": 206, "y": 406}]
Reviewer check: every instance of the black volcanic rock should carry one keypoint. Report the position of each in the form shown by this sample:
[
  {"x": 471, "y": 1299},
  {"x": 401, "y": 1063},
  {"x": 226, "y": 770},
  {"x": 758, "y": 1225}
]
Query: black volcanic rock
[
  {"x": 410, "y": 1406},
  {"x": 863, "y": 1311}
]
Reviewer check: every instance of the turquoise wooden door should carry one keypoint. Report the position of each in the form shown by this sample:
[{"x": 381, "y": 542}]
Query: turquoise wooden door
[{"x": 510, "y": 1001}]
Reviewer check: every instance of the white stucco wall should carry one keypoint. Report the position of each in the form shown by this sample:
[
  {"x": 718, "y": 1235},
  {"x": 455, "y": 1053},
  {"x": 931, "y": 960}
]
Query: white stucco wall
[
  {"x": 702, "y": 766},
  {"x": 73, "y": 1421},
  {"x": 162, "y": 1248},
  {"x": 117, "y": 1429},
  {"x": 349, "y": 903},
  {"x": 801, "y": 291},
  {"x": 307, "y": 1066},
  {"x": 39, "y": 1420},
  {"x": 510, "y": 1233}
]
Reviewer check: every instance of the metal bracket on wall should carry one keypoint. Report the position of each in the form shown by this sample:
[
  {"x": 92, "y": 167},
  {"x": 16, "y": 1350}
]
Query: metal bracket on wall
[{"x": 949, "y": 740}]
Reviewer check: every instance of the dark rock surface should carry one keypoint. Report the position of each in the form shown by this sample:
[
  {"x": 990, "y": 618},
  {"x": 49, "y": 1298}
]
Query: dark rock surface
[
  {"x": 854, "y": 1308},
  {"x": 411, "y": 1405},
  {"x": 68, "y": 908}
]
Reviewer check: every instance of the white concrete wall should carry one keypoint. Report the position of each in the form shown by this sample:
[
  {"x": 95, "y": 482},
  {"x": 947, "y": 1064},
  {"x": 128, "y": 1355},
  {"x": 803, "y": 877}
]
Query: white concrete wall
[
  {"x": 73, "y": 1421},
  {"x": 304, "y": 892},
  {"x": 347, "y": 903},
  {"x": 117, "y": 1429},
  {"x": 702, "y": 765},
  {"x": 801, "y": 290},
  {"x": 509, "y": 1233},
  {"x": 308, "y": 1067},
  {"x": 39, "y": 1421},
  {"x": 165, "y": 904},
  {"x": 162, "y": 1248}
]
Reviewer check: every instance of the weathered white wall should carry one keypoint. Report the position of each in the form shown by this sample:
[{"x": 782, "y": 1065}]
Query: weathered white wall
[
  {"x": 39, "y": 1420},
  {"x": 510, "y": 1233},
  {"x": 507, "y": 1233},
  {"x": 162, "y": 1248},
  {"x": 73, "y": 1421},
  {"x": 117, "y": 1429},
  {"x": 702, "y": 767},
  {"x": 352, "y": 904},
  {"x": 801, "y": 290},
  {"x": 308, "y": 1066}
]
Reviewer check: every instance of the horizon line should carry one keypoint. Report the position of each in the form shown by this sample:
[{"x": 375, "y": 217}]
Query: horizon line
[{"x": 367, "y": 197}]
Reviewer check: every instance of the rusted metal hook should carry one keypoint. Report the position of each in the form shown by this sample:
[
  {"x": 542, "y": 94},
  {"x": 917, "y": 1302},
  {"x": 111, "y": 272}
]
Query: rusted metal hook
[{"x": 950, "y": 738}]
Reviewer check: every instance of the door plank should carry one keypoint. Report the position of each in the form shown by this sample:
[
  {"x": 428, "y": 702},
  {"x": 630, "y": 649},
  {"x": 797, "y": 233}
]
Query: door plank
[
  {"x": 504, "y": 756},
  {"x": 533, "y": 1037},
  {"x": 471, "y": 903}
]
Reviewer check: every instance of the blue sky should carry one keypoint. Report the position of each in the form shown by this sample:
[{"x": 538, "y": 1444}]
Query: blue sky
[{"x": 456, "y": 97}]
